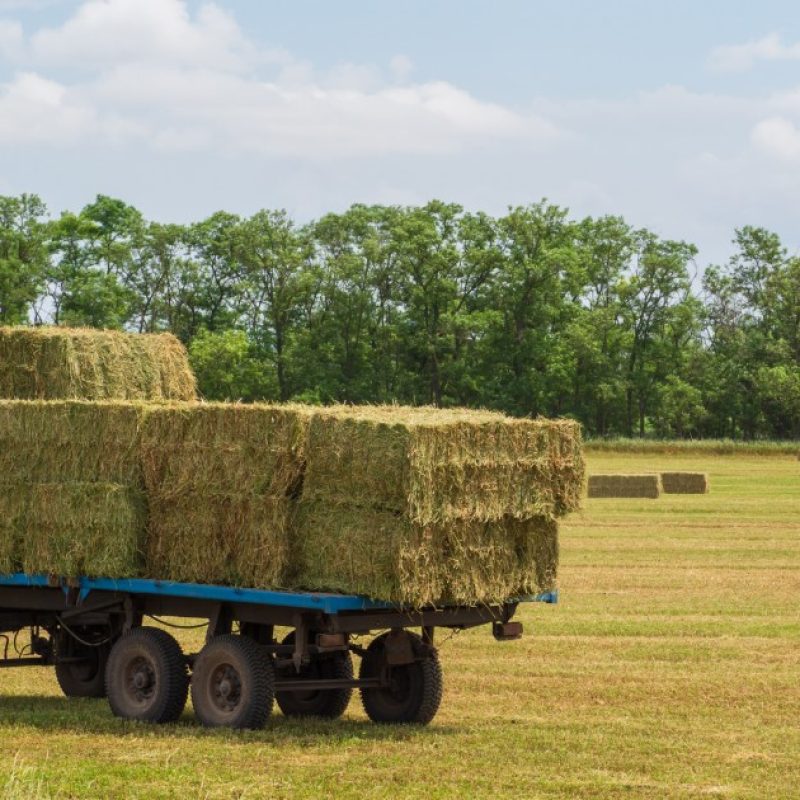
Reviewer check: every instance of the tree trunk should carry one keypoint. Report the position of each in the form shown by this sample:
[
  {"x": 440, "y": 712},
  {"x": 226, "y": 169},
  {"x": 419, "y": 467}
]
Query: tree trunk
[
  {"x": 629, "y": 412},
  {"x": 280, "y": 366}
]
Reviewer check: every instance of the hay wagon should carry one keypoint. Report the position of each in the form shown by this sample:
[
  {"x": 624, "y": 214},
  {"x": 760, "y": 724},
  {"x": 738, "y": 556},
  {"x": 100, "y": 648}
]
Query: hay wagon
[{"x": 96, "y": 639}]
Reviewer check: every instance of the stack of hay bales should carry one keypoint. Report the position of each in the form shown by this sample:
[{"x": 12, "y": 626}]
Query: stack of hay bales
[
  {"x": 71, "y": 495},
  {"x": 75, "y": 363},
  {"x": 648, "y": 486},
  {"x": 421, "y": 506},
  {"x": 220, "y": 481},
  {"x": 417, "y": 506}
]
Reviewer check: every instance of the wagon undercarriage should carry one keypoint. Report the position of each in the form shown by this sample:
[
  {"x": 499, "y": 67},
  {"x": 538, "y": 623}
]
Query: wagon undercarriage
[{"x": 93, "y": 632}]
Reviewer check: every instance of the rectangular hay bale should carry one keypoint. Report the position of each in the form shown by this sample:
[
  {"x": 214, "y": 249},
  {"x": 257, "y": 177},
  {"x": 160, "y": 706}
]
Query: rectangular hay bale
[
  {"x": 383, "y": 555},
  {"x": 648, "y": 486},
  {"x": 220, "y": 479},
  {"x": 54, "y": 363},
  {"x": 438, "y": 465},
  {"x": 70, "y": 442},
  {"x": 222, "y": 447},
  {"x": 684, "y": 482},
  {"x": 72, "y": 529},
  {"x": 236, "y": 539}
]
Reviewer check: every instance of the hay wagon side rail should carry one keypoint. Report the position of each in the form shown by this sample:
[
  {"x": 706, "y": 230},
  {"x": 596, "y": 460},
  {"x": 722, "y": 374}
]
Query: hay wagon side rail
[{"x": 96, "y": 639}]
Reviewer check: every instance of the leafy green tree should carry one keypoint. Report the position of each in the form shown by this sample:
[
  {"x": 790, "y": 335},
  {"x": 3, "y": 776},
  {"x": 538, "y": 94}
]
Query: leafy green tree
[
  {"x": 111, "y": 228},
  {"x": 779, "y": 391},
  {"x": 532, "y": 278},
  {"x": 658, "y": 280},
  {"x": 351, "y": 257},
  {"x": 228, "y": 368},
  {"x": 94, "y": 299},
  {"x": 679, "y": 409},
  {"x": 209, "y": 288},
  {"x": 23, "y": 256},
  {"x": 597, "y": 334},
  {"x": 153, "y": 277},
  {"x": 275, "y": 283}
]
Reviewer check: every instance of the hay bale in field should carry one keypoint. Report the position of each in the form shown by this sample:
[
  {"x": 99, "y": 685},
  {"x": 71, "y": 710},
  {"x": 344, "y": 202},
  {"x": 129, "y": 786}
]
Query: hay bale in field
[
  {"x": 382, "y": 554},
  {"x": 48, "y": 363},
  {"x": 220, "y": 479},
  {"x": 434, "y": 465},
  {"x": 624, "y": 486},
  {"x": 70, "y": 442},
  {"x": 684, "y": 482},
  {"x": 73, "y": 528}
]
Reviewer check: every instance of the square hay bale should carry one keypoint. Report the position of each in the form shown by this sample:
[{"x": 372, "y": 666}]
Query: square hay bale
[
  {"x": 70, "y": 442},
  {"x": 383, "y": 555},
  {"x": 238, "y": 539},
  {"x": 221, "y": 480},
  {"x": 684, "y": 482},
  {"x": 624, "y": 486},
  {"x": 435, "y": 465},
  {"x": 74, "y": 529},
  {"x": 48, "y": 363},
  {"x": 222, "y": 448}
]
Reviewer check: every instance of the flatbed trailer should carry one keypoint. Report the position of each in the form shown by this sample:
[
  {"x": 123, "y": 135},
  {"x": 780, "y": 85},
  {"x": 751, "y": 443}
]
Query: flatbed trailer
[{"x": 91, "y": 630}]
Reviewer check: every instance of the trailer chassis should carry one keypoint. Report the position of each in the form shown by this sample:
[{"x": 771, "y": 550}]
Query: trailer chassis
[{"x": 99, "y": 645}]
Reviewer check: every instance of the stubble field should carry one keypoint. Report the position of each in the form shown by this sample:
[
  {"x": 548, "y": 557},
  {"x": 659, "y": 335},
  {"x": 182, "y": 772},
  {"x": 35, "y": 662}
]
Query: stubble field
[{"x": 670, "y": 668}]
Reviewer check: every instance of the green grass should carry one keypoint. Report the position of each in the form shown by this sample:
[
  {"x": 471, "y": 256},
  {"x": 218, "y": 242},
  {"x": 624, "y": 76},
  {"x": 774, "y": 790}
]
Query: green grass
[
  {"x": 669, "y": 670},
  {"x": 720, "y": 447}
]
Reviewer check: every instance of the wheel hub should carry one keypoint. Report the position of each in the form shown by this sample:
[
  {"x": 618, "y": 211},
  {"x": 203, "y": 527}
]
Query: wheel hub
[
  {"x": 141, "y": 680},
  {"x": 226, "y": 688}
]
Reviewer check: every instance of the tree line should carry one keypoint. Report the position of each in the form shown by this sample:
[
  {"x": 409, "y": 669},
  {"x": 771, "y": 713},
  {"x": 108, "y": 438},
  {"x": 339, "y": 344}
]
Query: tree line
[{"x": 532, "y": 312}]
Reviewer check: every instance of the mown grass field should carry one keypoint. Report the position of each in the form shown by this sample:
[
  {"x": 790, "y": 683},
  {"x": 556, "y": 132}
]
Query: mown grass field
[{"x": 671, "y": 669}]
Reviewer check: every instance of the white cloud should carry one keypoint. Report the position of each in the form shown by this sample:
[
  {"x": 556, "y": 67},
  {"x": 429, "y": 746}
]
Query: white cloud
[
  {"x": 741, "y": 57},
  {"x": 150, "y": 68},
  {"x": 172, "y": 106},
  {"x": 107, "y": 32},
  {"x": 778, "y": 137},
  {"x": 42, "y": 110}
]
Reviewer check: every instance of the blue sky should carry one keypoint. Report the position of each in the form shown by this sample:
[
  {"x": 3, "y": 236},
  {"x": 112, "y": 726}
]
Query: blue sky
[{"x": 683, "y": 117}]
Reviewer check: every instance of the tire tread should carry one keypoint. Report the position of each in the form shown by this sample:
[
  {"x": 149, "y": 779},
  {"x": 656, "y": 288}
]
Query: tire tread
[
  {"x": 262, "y": 674},
  {"x": 176, "y": 675}
]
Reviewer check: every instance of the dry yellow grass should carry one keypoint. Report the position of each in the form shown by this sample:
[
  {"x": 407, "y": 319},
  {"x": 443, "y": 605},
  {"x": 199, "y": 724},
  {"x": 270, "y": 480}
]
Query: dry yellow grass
[{"x": 669, "y": 670}]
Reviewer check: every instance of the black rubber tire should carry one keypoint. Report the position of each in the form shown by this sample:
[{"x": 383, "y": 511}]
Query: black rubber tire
[
  {"x": 233, "y": 683},
  {"x": 329, "y": 704},
  {"x": 85, "y": 678},
  {"x": 415, "y": 693},
  {"x": 153, "y": 658}
]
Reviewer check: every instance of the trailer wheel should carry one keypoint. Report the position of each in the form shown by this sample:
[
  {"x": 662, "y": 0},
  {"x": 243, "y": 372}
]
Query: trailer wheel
[
  {"x": 233, "y": 683},
  {"x": 146, "y": 676},
  {"x": 330, "y": 703},
  {"x": 414, "y": 692},
  {"x": 82, "y": 673}
]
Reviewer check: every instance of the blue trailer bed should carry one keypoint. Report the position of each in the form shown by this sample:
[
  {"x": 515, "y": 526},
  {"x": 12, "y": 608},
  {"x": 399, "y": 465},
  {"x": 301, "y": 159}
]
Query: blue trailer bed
[{"x": 329, "y": 602}]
